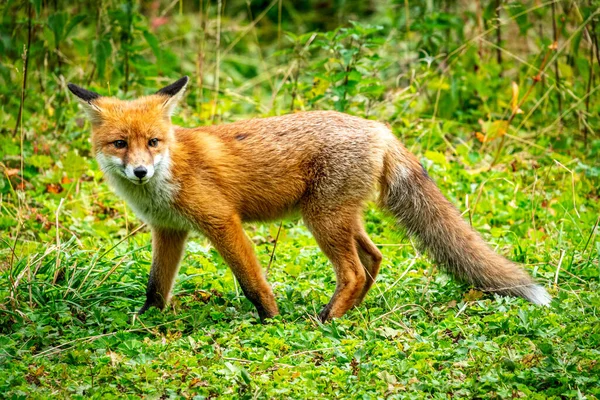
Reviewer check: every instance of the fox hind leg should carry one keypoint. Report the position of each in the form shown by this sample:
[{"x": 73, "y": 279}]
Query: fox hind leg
[
  {"x": 334, "y": 232},
  {"x": 370, "y": 258}
]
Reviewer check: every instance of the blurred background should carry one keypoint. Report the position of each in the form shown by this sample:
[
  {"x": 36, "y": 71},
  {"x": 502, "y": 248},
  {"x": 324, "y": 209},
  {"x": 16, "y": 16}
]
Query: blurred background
[{"x": 450, "y": 62}]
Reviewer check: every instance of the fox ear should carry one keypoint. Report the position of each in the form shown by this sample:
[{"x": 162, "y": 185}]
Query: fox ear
[
  {"x": 173, "y": 93},
  {"x": 87, "y": 99}
]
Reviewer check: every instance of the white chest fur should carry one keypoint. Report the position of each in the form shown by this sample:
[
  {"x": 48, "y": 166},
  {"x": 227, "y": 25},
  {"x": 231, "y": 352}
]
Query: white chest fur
[{"x": 153, "y": 202}]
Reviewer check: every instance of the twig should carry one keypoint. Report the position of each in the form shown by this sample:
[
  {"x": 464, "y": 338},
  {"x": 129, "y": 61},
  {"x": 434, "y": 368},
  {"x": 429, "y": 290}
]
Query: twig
[
  {"x": 463, "y": 308},
  {"x": 57, "y": 268},
  {"x": 25, "y": 70},
  {"x": 136, "y": 230},
  {"x": 258, "y": 44},
  {"x": 168, "y": 8},
  {"x": 399, "y": 307},
  {"x": 562, "y": 255},
  {"x": 469, "y": 210},
  {"x": 555, "y": 46},
  {"x": 431, "y": 273},
  {"x": 299, "y": 353},
  {"x": 515, "y": 110},
  {"x": 593, "y": 235},
  {"x": 535, "y": 180},
  {"x": 590, "y": 236},
  {"x": 435, "y": 110},
  {"x": 244, "y": 32},
  {"x": 446, "y": 64},
  {"x": 127, "y": 42},
  {"x": 499, "y": 37},
  {"x": 401, "y": 324},
  {"x": 279, "y": 10},
  {"x": 59, "y": 348},
  {"x": 574, "y": 106},
  {"x": 595, "y": 42},
  {"x": 573, "y": 34},
  {"x": 407, "y": 12},
  {"x": 200, "y": 59},
  {"x": 295, "y": 85},
  {"x": 289, "y": 72},
  {"x": 108, "y": 274},
  {"x": 218, "y": 62},
  {"x": 274, "y": 247},
  {"x": 30, "y": 285},
  {"x": 572, "y": 186},
  {"x": 591, "y": 40},
  {"x": 504, "y": 288}
]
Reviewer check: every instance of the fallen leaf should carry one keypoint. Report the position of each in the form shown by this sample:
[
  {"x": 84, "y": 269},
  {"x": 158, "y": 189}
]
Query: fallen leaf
[
  {"x": 473, "y": 295},
  {"x": 54, "y": 188},
  {"x": 115, "y": 358},
  {"x": 482, "y": 138},
  {"x": 514, "y": 101},
  {"x": 498, "y": 129},
  {"x": 197, "y": 382}
]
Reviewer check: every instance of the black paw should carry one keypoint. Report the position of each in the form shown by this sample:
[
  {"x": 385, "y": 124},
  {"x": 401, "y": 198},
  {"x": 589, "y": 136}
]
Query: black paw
[
  {"x": 324, "y": 314},
  {"x": 265, "y": 316},
  {"x": 149, "y": 304},
  {"x": 144, "y": 308}
]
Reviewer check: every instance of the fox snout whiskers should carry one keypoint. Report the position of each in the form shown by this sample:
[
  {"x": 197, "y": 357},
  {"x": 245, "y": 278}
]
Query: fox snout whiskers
[{"x": 139, "y": 174}]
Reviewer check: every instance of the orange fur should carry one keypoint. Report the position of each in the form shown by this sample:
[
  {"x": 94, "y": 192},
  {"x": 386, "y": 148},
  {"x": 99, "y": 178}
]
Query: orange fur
[
  {"x": 322, "y": 164},
  {"x": 168, "y": 247}
]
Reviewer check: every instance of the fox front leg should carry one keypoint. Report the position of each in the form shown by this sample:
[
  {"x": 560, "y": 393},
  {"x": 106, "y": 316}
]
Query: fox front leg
[
  {"x": 167, "y": 251},
  {"x": 228, "y": 237}
]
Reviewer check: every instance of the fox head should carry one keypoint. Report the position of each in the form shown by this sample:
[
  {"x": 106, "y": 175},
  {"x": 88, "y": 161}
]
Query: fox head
[{"x": 131, "y": 139}]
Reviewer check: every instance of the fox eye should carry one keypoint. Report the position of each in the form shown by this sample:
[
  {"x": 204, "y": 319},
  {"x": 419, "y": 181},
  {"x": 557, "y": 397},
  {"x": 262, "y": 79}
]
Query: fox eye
[
  {"x": 153, "y": 142},
  {"x": 120, "y": 144}
]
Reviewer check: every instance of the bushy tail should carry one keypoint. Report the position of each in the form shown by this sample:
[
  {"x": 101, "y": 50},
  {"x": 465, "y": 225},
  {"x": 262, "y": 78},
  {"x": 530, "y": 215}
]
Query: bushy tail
[{"x": 417, "y": 203}]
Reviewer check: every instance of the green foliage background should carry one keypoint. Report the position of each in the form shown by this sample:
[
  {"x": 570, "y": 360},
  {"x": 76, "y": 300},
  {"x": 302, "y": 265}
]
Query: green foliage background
[{"x": 498, "y": 98}]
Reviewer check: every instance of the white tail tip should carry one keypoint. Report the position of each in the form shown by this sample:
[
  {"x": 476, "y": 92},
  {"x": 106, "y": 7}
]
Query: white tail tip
[{"x": 538, "y": 295}]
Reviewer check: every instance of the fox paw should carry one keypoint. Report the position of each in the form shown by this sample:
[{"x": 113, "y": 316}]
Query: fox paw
[
  {"x": 149, "y": 304},
  {"x": 325, "y": 314},
  {"x": 144, "y": 308}
]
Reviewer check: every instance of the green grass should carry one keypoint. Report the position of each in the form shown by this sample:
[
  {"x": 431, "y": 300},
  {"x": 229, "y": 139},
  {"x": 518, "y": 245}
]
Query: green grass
[
  {"x": 74, "y": 259},
  {"x": 419, "y": 334}
]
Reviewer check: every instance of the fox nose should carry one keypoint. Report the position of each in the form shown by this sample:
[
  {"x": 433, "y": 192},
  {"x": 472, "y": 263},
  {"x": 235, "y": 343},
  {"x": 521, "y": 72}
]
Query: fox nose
[{"x": 140, "y": 172}]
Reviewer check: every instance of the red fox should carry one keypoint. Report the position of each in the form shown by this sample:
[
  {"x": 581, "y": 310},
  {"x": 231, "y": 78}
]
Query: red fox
[{"x": 324, "y": 164}]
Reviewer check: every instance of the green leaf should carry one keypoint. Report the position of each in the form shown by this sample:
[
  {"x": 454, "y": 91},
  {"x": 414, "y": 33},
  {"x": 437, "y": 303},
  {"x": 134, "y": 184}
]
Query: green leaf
[
  {"x": 72, "y": 24},
  {"x": 56, "y": 23},
  {"x": 37, "y": 5},
  {"x": 102, "y": 52},
  {"x": 153, "y": 43},
  {"x": 40, "y": 161},
  {"x": 436, "y": 157},
  {"x": 519, "y": 13},
  {"x": 293, "y": 269},
  {"x": 576, "y": 42},
  {"x": 354, "y": 75},
  {"x": 245, "y": 376},
  {"x": 74, "y": 164}
]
